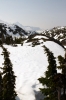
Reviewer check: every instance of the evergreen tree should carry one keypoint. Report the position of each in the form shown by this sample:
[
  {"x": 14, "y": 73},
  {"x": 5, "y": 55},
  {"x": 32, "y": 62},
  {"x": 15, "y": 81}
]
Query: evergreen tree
[
  {"x": 1, "y": 86},
  {"x": 8, "y": 78},
  {"x": 62, "y": 66},
  {"x": 62, "y": 62},
  {"x": 49, "y": 89}
]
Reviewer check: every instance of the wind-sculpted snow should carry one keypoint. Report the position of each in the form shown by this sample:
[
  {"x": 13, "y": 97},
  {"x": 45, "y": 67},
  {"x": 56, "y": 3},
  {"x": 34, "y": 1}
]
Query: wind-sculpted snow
[{"x": 30, "y": 63}]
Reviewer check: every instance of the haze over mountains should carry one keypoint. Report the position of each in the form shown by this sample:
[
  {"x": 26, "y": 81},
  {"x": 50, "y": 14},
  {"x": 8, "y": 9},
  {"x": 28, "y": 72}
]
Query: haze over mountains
[
  {"x": 27, "y": 28},
  {"x": 56, "y": 34}
]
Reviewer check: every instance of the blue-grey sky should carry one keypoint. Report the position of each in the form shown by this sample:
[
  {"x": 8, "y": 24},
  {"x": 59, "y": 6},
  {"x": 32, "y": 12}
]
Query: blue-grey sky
[{"x": 45, "y": 14}]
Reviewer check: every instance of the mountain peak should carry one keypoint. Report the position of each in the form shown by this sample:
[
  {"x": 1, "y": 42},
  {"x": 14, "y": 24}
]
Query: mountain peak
[{"x": 28, "y": 28}]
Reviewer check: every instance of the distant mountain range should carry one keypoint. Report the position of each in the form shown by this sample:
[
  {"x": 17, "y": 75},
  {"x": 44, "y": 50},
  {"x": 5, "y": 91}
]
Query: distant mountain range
[
  {"x": 56, "y": 34},
  {"x": 27, "y": 28}
]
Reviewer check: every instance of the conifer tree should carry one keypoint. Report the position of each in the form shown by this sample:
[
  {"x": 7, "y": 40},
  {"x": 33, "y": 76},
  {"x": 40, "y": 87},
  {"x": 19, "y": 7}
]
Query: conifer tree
[
  {"x": 49, "y": 89},
  {"x": 1, "y": 87},
  {"x": 8, "y": 78},
  {"x": 62, "y": 66}
]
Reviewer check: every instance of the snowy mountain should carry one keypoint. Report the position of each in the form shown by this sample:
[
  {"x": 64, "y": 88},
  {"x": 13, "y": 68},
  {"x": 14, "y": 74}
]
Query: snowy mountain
[
  {"x": 28, "y": 57},
  {"x": 16, "y": 29},
  {"x": 28, "y": 28},
  {"x": 58, "y": 33},
  {"x": 11, "y": 30}
]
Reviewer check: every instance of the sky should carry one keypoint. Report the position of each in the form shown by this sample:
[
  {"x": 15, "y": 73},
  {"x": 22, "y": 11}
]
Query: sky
[{"x": 45, "y": 14}]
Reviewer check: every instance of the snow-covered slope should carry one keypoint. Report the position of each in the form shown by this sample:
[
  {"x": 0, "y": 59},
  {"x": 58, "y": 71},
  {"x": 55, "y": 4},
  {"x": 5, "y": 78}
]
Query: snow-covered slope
[
  {"x": 11, "y": 30},
  {"x": 19, "y": 31},
  {"x": 30, "y": 63},
  {"x": 16, "y": 30},
  {"x": 58, "y": 33}
]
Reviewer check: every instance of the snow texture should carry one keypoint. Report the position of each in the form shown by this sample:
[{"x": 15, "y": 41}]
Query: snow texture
[{"x": 29, "y": 64}]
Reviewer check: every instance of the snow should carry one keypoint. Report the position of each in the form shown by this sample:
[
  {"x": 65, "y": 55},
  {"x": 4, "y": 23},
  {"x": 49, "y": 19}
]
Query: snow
[
  {"x": 39, "y": 37},
  {"x": 55, "y": 48},
  {"x": 12, "y": 26},
  {"x": 29, "y": 64}
]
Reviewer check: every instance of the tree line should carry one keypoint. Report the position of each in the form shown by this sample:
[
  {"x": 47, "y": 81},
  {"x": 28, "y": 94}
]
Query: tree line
[
  {"x": 54, "y": 83},
  {"x": 7, "y": 78}
]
